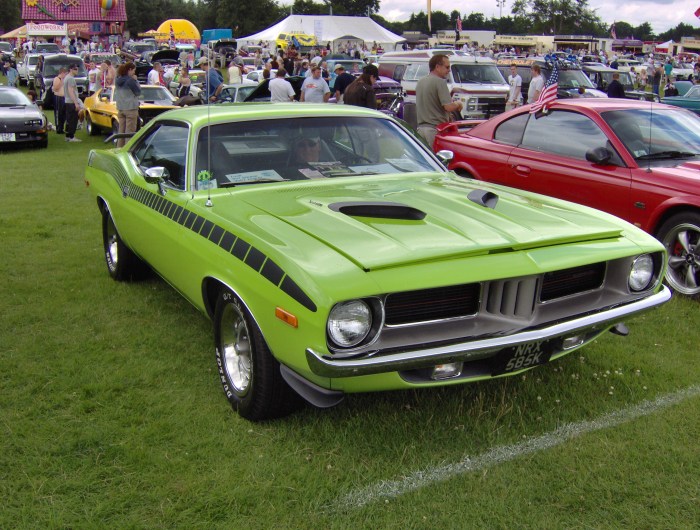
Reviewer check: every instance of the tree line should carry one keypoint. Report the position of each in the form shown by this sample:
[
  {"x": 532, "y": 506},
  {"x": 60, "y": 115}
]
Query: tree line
[{"x": 527, "y": 17}]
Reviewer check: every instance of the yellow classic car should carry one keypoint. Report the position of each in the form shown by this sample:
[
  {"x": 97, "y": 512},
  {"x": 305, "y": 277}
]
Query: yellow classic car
[{"x": 101, "y": 110}]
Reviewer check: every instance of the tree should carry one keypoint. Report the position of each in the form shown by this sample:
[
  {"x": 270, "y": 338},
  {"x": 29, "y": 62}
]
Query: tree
[
  {"x": 556, "y": 16},
  {"x": 11, "y": 15}
]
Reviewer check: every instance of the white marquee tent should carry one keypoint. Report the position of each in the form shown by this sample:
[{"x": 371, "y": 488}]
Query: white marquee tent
[{"x": 329, "y": 28}]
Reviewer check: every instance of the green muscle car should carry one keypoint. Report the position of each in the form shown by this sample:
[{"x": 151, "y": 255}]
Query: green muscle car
[{"x": 335, "y": 253}]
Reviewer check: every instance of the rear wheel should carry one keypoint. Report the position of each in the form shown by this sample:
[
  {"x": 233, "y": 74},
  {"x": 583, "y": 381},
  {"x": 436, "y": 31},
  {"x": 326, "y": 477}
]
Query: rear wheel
[
  {"x": 680, "y": 234},
  {"x": 249, "y": 374}
]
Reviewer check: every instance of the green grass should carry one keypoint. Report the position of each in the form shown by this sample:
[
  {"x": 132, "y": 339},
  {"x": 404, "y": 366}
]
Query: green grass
[{"x": 112, "y": 414}]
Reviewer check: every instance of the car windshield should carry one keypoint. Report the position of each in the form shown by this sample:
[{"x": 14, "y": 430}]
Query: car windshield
[
  {"x": 573, "y": 79},
  {"x": 693, "y": 92},
  {"x": 5, "y": 46},
  {"x": 51, "y": 68},
  {"x": 47, "y": 47},
  {"x": 239, "y": 153},
  {"x": 476, "y": 73},
  {"x": 657, "y": 134},
  {"x": 160, "y": 94},
  {"x": 13, "y": 98}
]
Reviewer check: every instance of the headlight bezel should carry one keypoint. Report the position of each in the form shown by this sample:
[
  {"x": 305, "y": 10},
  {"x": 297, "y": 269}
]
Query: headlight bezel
[
  {"x": 376, "y": 313},
  {"x": 646, "y": 266}
]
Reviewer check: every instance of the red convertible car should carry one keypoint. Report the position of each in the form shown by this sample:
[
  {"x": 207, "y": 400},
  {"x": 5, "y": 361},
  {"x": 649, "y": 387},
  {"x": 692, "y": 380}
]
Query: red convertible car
[{"x": 637, "y": 160}]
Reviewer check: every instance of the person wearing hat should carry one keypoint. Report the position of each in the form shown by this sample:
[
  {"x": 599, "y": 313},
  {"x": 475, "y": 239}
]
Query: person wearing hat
[
  {"x": 315, "y": 89},
  {"x": 214, "y": 82},
  {"x": 342, "y": 81}
]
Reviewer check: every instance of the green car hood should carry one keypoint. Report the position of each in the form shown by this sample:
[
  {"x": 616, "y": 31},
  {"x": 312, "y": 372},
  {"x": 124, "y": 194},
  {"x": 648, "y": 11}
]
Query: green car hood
[{"x": 380, "y": 223}]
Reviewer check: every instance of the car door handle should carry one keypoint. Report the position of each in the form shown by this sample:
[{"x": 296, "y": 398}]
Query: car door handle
[{"x": 522, "y": 170}]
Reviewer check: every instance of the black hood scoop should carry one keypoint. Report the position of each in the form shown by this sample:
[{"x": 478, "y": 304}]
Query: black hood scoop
[{"x": 380, "y": 210}]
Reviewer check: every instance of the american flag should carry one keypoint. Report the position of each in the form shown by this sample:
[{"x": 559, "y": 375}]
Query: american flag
[
  {"x": 549, "y": 92},
  {"x": 459, "y": 24},
  {"x": 613, "y": 31}
]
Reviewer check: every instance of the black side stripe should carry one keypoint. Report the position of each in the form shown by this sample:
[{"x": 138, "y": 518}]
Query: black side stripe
[{"x": 228, "y": 241}]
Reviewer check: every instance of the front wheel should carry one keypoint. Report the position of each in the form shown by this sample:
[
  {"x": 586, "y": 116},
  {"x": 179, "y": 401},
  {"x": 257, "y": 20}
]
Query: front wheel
[
  {"x": 122, "y": 263},
  {"x": 250, "y": 375},
  {"x": 90, "y": 127},
  {"x": 680, "y": 234}
]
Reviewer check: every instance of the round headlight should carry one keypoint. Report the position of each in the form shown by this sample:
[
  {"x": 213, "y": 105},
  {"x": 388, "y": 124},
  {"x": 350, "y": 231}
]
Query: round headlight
[
  {"x": 349, "y": 323},
  {"x": 641, "y": 272}
]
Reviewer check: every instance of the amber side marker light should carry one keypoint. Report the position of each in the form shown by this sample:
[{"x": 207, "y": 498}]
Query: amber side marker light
[{"x": 286, "y": 316}]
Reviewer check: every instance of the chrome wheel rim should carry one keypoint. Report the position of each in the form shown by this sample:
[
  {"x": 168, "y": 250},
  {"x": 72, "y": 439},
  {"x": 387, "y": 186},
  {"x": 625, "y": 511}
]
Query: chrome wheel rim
[
  {"x": 112, "y": 244},
  {"x": 236, "y": 347},
  {"x": 683, "y": 246}
]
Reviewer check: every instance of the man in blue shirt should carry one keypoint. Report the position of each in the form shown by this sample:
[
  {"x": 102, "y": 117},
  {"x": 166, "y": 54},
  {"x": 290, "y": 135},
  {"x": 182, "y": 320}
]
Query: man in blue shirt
[{"x": 214, "y": 82}]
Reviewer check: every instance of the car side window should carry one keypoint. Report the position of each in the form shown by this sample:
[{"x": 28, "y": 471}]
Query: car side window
[
  {"x": 165, "y": 146},
  {"x": 511, "y": 131},
  {"x": 564, "y": 133}
]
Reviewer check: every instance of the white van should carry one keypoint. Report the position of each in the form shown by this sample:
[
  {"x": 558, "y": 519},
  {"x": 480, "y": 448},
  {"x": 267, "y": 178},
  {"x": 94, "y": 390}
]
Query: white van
[{"x": 475, "y": 81}]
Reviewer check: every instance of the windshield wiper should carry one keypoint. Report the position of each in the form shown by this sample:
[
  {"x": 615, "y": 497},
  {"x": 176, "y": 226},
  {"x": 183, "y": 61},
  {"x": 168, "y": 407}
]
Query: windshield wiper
[{"x": 666, "y": 155}]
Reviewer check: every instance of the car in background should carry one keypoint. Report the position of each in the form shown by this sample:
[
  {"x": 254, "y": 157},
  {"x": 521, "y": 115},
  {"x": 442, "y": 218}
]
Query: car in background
[
  {"x": 26, "y": 67},
  {"x": 682, "y": 71},
  {"x": 197, "y": 78},
  {"x": 21, "y": 121},
  {"x": 101, "y": 109},
  {"x": 7, "y": 51},
  {"x": 132, "y": 51},
  {"x": 235, "y": 92},
  {"x": 625, "y": 65},
  {"x": 100, "y": 57},
  {"x": 572, "y": 83},
  {"x": 600, "y": 153},
  {"x": 52, "y": 65},
  {"x": 45, "y": 48},
  {"x": 168, "y": 59},
  {"x": 261, "y": 91},
  {"x": 335, "y": 253},
  {"x": 690, "y": 100},
  {"x": 602, "y": 76},
  {"x": 257, "y": 75}
]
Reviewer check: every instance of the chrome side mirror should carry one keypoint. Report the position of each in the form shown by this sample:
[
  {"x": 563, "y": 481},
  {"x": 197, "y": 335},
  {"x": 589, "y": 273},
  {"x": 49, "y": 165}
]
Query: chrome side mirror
[
  {"x": 445, "y": 156},
  {"x": 157, "y": 175}
]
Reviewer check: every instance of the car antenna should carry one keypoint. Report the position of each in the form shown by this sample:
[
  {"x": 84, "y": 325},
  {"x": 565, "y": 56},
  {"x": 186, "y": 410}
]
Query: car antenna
[
  {"x": 651, "y": 114},
  {"x": 209, "y": 204}
]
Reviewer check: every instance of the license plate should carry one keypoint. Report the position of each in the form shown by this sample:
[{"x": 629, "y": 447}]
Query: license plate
[
  {"x": 520, "y": 357},
  {"x": 7, "y": 137}
]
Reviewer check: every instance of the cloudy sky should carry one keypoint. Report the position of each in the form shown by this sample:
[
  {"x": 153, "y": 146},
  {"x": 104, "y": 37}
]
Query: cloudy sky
[{"x": 661, "y": 14}]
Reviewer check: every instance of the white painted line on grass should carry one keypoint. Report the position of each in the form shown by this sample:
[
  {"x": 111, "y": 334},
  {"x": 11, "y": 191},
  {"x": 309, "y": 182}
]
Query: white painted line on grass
[{"x": 393, "y": 488}]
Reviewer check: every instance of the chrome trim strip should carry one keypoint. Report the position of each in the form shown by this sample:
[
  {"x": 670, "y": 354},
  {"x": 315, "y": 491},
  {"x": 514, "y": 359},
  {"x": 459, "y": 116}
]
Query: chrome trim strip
[{"x": 466, "y": 351}]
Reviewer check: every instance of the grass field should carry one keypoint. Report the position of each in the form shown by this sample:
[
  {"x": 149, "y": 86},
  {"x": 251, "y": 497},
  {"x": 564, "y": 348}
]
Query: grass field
[{"x": 112, "y": 415}]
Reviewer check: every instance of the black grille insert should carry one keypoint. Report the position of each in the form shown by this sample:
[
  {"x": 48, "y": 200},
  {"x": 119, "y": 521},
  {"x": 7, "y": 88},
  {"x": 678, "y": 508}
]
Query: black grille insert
[
  {"x": 558, "y": 284},
  {"x": 432, "y": 304}
]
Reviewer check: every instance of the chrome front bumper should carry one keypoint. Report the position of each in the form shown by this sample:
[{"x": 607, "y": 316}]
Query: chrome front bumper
[{"x": 327, "y": 366}]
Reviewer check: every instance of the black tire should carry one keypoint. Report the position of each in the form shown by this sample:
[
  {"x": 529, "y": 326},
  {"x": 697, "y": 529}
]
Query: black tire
[
  {"x": 90, "y": 127},
  {"x": 249, "y": 374},
  {"x": 122, "y": 263},
  {"x": 680, "y": 234}
]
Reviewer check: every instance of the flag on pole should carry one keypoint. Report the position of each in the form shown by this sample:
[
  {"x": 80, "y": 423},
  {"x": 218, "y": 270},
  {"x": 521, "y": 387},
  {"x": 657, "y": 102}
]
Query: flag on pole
[
  {"x": 549, "y": 92},
  {"x": 172, "y": 37},
  {"x": 459, "y": 24},
  {"x": 697, "y": 12},
  {"x": 613, "y": 33}
]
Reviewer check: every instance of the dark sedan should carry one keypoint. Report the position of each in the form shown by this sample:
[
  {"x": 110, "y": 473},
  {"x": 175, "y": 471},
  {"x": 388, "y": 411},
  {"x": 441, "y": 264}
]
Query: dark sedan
[
  {"x": 21, "y": 121},
  {"x": 634, "y": 159}
]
